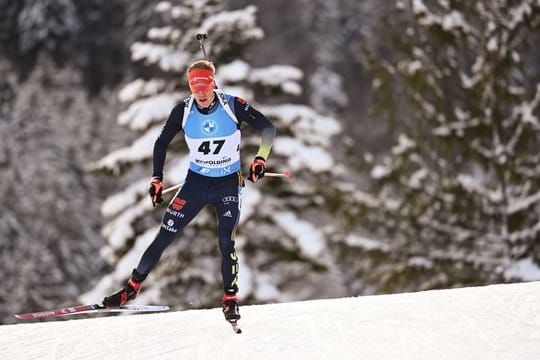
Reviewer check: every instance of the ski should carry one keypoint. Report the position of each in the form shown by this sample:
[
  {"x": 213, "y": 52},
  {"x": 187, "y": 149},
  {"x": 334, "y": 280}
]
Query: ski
[
  {"x": 86, "y": 309},
  {"x": 235, "y": 327}
]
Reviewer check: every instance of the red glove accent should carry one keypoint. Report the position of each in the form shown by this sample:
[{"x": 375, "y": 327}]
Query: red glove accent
[
  {"x": 156, "y": 190},
  {"x": 257, "y": 169}
]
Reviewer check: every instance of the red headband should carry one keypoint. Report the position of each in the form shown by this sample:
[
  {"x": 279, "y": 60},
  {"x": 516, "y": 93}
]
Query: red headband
[{"x": 201, "y": 80}]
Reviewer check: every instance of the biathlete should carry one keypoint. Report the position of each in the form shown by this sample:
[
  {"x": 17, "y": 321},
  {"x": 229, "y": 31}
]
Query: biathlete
[{"x": 210, "y": 121}]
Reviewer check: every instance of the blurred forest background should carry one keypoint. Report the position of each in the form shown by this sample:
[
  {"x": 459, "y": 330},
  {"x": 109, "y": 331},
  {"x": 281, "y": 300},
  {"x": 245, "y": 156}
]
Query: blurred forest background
[{"x": 411, "y": 127}]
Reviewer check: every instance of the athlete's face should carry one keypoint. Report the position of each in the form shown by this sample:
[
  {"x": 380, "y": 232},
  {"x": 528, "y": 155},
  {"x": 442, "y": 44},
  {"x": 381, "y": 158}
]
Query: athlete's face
[{"x": 204, "y": 98}]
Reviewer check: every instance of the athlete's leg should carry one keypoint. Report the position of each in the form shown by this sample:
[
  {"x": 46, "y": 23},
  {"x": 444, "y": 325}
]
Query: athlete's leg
[
  {"x": 187, "y": 203},
  {"x": 227, "y": 202}
]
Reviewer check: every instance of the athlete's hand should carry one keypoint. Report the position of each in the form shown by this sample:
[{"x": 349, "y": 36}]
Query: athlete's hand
[
  {"x": 156, "y": 190},
  {"x": 257, "y": 169}
]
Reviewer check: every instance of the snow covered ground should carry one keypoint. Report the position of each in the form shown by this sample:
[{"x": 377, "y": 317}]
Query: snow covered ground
[{"x": 491, "y": 322}]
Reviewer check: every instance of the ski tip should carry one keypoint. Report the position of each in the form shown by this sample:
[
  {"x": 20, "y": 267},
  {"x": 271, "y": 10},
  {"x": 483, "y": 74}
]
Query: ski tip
[
  {"x": 24, "y": 316},
  {"x": 235, "y": 327},
  {"x": 35, "y": 316}
]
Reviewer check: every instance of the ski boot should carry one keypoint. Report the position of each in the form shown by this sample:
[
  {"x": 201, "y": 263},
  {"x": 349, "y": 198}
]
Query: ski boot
[
  {"x": 128, "y": 292},
  {"x": 230, "y": 307},
  {"x": 230, "y": 310}
]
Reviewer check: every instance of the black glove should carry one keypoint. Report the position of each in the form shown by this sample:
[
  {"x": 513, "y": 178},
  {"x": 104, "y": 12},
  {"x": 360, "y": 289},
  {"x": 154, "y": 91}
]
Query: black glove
[
  {"x": 257, "y": 169},
  {"x": 156, "y": 190}
]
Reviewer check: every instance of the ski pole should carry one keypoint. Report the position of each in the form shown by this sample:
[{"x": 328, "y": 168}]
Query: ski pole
[
  {"x": 171, "y": 189},
  {"x": 285, "y": 173}
]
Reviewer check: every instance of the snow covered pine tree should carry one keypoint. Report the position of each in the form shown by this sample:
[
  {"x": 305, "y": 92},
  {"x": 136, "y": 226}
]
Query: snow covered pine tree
[{"x": 457, "y": 199}]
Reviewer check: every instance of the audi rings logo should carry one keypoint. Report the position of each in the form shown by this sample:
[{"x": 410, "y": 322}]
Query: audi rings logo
[{"x": 229, "y": 199}]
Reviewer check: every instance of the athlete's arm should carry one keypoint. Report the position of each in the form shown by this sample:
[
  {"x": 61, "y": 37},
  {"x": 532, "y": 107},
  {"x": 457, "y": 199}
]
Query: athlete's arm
[
  {"x": 246, "y": 112},
  {"x": 171, "y": 127}
]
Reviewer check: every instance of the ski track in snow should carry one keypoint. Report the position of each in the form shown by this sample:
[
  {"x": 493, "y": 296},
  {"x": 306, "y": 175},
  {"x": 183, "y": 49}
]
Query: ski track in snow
[{"x": 491, "y": 322}]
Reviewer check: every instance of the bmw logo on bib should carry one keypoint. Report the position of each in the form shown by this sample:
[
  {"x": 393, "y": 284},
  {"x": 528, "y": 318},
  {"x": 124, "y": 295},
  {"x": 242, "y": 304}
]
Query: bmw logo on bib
[{"x": 209, "y": 127}]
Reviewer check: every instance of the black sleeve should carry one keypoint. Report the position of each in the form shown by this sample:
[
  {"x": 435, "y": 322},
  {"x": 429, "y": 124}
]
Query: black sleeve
[
  {"x": 171, "y": 127},
  {"x": 247, "y": 113}
]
